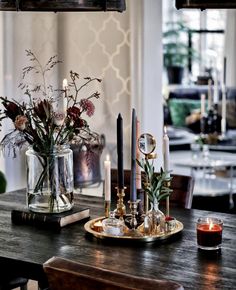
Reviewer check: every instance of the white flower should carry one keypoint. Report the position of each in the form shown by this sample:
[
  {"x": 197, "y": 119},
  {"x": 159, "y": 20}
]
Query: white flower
[{"x": 59, "y": 118}]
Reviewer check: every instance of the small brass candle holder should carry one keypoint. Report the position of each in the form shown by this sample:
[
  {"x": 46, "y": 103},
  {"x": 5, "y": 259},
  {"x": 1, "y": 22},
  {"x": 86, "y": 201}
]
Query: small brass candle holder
[
  {"x": 147, "y": 145},
  {"x": 107, "y": 207},
  {"x": 132, "y": 219},
  {"x": 120, "y": 207},
  {"x": 133, "y": 210}
]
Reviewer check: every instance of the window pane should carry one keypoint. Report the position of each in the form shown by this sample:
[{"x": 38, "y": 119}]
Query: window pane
[
  {"x": 208, "y": 46},
  {"x": 215, "y": 19}
]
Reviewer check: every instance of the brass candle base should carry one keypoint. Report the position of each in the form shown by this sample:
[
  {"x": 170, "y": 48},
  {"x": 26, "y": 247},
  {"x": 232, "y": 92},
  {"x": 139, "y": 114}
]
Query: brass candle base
[
  {"x": 133, "y": 210},
  {"x": 132, "y": 220},
  {"x": 120, "y": 207},
  {"x": 107, "y": 206}
]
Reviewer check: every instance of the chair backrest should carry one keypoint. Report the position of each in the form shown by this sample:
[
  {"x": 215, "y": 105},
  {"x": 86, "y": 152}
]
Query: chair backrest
[
  {"x": 3, "y": 183},
  {"x": 182, "y": 194},
  {"x": 65, "y": 274},
  {"x": 182, "y": 186}
]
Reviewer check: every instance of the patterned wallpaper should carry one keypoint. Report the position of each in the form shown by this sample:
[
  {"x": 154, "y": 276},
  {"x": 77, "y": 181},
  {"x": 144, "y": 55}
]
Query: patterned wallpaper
[
  {"x": 98, "y": 45},
  {"x": 94, "y": 44}
]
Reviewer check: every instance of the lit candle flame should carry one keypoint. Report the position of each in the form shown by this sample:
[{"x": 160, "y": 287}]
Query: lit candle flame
[
  {"x": 165, "y": 130},
  {"x": 65, "y": 84},
  {"x": 211, "y": 225},
  {"x": 98, "y": 224},
  {"x": 108, "y": 157}
]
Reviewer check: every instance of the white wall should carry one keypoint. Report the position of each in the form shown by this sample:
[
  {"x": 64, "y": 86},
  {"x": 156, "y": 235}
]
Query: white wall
[
  {"x": 229, "y": 47},
  {"x": 152, "y": 73}
]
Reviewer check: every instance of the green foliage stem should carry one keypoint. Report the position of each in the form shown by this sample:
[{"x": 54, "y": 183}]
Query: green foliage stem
[{"x": 155, "y": 185}]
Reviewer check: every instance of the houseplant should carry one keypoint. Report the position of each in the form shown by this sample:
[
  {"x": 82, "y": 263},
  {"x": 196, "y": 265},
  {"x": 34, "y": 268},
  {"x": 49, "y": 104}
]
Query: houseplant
[
  {"x": 176, "y": 50},
  {"x": 47, "y": 119},
  {"x": 157, "y": 187}
]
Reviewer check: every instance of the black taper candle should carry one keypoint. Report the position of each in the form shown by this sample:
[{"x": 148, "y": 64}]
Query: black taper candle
[
  {"x": 133, "y": 193},
  {"x": 120, "y": 168}
]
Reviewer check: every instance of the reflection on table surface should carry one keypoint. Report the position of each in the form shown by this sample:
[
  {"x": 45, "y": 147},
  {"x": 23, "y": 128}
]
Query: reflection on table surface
[
  {"x": 215, "y": 185},
  {"x": 182, "y": 138},
  {"x": 213, "y": 159},
  {"x": 228, "y": 143},
  {"x": 213, "y": 175},
  {"x": 179, "y": 136}
]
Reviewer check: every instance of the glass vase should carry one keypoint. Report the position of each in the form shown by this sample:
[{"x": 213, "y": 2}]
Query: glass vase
[
  {"x": 50, "y": 180},
  {"x": 156, "y": 219},
  {"x": 113, "y": 226}
]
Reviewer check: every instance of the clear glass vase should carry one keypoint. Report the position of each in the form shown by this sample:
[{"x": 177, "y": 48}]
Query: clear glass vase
[
  {"x": 156, "y": 219},
  {"x": 50, "y": 180}
]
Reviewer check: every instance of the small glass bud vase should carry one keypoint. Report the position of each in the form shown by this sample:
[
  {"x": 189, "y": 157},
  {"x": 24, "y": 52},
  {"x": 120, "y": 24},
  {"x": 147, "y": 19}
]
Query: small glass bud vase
[
  {"x": 113, "y": 226},
  {"x": 157, "y": 219}
]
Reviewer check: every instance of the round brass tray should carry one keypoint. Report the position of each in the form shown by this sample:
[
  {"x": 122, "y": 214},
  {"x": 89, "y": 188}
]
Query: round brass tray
[{"x": 89, "y": 227}]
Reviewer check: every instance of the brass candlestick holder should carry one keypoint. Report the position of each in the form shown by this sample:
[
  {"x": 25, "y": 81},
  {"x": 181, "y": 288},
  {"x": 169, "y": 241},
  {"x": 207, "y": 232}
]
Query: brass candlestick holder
[
  {"x": 132, "y": 220},
  {"x": 133, "y": 210},
  {"x": 147, "y": 145},
  {"x": 120, "y": 207},
  {"x": 107, "y": 207}
]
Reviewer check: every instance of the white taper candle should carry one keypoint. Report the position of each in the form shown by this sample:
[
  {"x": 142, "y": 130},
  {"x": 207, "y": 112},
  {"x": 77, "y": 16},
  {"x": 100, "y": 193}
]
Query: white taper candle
[
  {"x": 107, "y": 185},
  {"x": 166, "y": 157},
  {"x": 223, "y": 117}
]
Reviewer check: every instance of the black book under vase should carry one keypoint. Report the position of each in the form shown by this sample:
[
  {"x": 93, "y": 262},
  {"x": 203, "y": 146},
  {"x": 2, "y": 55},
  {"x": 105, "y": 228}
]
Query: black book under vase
[{"x": 51, "y": 221}]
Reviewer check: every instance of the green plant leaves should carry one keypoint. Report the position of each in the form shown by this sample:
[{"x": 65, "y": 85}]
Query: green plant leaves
[
  {"x": 175, "y": 44},
  {"x": 157, "y": 186}
]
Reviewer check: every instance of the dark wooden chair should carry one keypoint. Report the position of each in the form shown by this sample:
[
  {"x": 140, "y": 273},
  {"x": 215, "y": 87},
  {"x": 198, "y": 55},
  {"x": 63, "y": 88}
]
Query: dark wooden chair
[
  {"x": 9, "y": 283},
  {"x": 182, "y": 186},
  {"x": 65, "y": 274}
]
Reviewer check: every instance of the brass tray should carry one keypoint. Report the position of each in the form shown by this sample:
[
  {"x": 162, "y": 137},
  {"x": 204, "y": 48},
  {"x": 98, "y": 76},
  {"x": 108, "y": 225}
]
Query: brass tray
[{"x": 89, "y": 227}]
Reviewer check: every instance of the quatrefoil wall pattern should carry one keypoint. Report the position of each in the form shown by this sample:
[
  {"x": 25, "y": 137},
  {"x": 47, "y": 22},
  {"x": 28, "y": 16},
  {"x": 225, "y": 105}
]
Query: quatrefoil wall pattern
[{"x": 99, "y": 45}]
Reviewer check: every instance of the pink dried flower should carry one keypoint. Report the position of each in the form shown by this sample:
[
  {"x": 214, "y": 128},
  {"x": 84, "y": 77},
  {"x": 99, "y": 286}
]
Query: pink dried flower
[
  {"x": 87, "y": 106},
  {"x": 20, "y": 122}
]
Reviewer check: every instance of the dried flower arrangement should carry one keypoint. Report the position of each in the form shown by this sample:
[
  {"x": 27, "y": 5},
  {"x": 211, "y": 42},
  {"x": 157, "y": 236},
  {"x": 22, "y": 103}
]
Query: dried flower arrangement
[{"x": 45, "y": 120}]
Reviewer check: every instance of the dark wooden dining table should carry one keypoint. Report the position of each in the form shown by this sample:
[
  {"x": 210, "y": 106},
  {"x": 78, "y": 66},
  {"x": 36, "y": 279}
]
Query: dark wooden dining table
[{"x": 24, "y": 248}]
